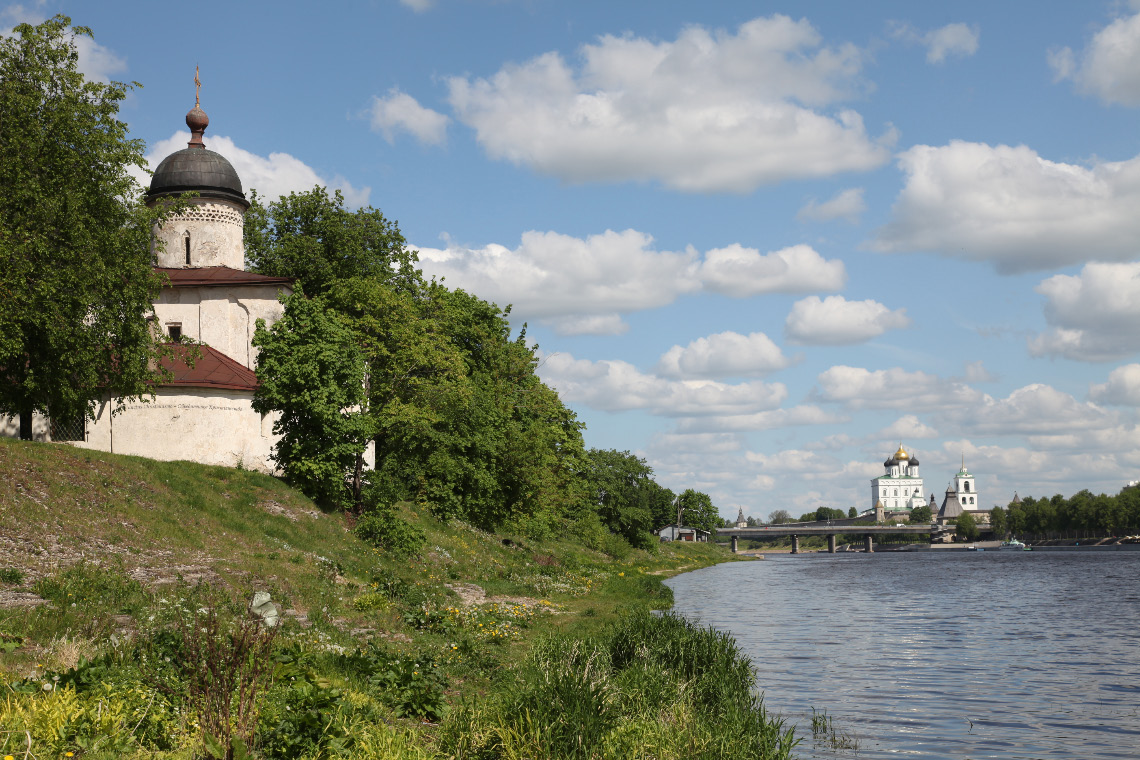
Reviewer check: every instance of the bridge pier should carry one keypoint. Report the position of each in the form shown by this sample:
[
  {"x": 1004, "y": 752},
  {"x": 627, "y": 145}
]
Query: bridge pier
[
  {"x": 869, "y": 547},
  {"x": 795, "y": 544},
  {"x": 831, "y": 543},
  {"x": 734, "y": 540}
]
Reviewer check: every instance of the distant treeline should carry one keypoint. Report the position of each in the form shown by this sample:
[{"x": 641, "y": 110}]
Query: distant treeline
[{"x": 1083, "y": 512}]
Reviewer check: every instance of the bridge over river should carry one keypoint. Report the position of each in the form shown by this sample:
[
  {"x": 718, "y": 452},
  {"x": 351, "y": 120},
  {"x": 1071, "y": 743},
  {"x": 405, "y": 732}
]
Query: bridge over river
[{"x": 829, "y": 529}]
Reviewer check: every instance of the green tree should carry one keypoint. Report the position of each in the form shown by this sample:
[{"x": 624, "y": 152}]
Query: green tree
[
  {"x": 698, "y": 511},
  {"x": 311, "y": 371},
  {"x": 76, "y": 271},
  {"x": 921, "y": 514},
  {"x": 967, "y": 526},
  {"x": 317, "y": 241},
  {"x": 620, "y": 491},
  {"x": 852, "y": 512},
  {"x": 779, "y": 516},
  {"x": 999, "y": 522}
]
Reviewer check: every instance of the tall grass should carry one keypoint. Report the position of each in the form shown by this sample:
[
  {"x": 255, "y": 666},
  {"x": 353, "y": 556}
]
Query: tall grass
[{"x": 645, "y": 686}]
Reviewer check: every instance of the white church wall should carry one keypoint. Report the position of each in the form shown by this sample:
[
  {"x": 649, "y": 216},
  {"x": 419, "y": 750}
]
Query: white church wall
[
  {"x": 223, "y": 317},
  {"x": 206, "y": 425},
  {"x": 10, "y": 427},
  {"x": 215, "y": 231}
]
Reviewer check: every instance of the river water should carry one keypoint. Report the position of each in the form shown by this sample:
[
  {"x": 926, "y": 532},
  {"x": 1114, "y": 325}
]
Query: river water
[{"x": 939, "y": 654}]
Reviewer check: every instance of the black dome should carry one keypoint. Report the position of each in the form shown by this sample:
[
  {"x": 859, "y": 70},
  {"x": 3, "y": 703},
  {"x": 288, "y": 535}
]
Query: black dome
[{"x": 205, "y": 172}]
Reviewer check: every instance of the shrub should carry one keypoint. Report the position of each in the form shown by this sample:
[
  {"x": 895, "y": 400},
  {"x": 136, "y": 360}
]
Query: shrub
[{"x": 383, "y": 528}]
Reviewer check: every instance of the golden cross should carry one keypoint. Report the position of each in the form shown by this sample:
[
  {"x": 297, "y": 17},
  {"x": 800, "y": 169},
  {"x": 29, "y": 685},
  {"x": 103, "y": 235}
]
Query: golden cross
[{"x": 197, "y": 86}]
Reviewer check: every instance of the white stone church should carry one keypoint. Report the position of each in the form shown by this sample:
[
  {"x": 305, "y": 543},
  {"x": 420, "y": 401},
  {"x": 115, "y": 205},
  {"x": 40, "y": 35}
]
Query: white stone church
[
  {"x": 900, "y": 487},
  {"x": 205, "y": 413}
]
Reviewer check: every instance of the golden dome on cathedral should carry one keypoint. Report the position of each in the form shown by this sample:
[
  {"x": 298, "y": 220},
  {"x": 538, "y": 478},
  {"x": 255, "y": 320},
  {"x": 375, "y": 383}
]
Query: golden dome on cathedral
[{"x": 901, "y": 453}]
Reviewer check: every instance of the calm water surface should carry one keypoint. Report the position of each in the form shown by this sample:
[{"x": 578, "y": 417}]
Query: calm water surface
[{"x": 940, "y": 655}]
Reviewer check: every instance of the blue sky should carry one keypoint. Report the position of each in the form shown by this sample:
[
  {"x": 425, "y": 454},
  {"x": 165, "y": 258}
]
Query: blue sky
[{"x": 759, "y": 244}]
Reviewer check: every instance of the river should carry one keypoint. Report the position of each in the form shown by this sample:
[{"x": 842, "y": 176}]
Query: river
[{"x": 939, "y": 654}]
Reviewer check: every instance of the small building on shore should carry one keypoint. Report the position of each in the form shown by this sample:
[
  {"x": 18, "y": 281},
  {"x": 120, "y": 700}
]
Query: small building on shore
[{"x": 682, "y": 533}]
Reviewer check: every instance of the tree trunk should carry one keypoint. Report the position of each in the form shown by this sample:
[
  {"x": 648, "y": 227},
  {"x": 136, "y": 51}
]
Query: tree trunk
[
  {"x": 358, "y": 485},
  {"x": 25, "y": 424}
]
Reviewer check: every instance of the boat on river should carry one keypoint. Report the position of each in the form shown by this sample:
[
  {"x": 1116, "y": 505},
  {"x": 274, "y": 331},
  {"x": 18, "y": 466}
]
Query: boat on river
[{"x": 1013, "y": 545}]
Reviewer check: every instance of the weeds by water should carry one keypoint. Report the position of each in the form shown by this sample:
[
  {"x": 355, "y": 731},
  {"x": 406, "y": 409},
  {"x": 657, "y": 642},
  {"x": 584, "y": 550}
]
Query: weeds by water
[{"x": 825, "y": 734}]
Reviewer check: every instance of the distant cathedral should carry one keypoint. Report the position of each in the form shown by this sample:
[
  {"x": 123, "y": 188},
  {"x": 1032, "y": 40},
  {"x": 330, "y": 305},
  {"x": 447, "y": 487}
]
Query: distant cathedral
[{"x": 900, "y": 487}]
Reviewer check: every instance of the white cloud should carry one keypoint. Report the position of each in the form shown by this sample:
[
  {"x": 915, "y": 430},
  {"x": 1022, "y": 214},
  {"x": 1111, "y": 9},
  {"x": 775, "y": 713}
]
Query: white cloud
[
  {"x": 1009, "y": 206},
  {"x": 849, "y": 205},
  {"x": 952, "y": 39},
  {"x": 1122, "y": 388},
  {"x": 583, "y": 286},
  {"x": 400, "y": 112},
  {"x": 908, "y": 427},
  {"x": 1093, "y": 315},
  {"x": 1109, "y": 67},
  {"x": 612, "y": 385},
  {"x": 835, "y": 321},
  {"x": 279, "y": 174},
  {"x": 859, "y": 388},
  {"x": 419, "y": 6},
  {"x": 741, "y": 272},
  {"x": 767, "y": 420},
  {"x": 711, "y": 111},
  {"x": 97, "y": 62},
  {"x": 792, "y": 461},
  {"x": 725, "y": 354},
  {"x": 1035, "y": 409}
]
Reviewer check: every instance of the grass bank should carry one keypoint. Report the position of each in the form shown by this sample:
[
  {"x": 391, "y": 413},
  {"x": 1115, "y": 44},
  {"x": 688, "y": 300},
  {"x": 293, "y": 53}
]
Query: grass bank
[{"x": 125, "y": 631}]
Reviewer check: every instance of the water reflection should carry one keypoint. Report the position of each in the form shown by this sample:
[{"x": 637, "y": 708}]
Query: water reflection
[{"x": 985, "y": 655}]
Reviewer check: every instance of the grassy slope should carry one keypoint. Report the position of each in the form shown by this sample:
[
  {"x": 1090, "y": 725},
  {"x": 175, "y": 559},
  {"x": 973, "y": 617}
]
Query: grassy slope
[{"x": 172, "y": 523}]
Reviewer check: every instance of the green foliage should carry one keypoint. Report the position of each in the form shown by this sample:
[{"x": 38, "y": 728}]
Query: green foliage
[
  {"x": 76, "y": 275},
  {"x": 823, "y": 514},
  {"x": 309, "y": 370},
  {"x": 83, "y": 585},
  {"x": 12, "y": 576},
  {"x": 412, "y": 686},
  {"x": 624, "y": 693},
  {"x": 998, "y": 522},
  {"x": 312, "y": 238},
  {"x": 298, "y": 717},
  {"x": 383, "y": 527},
  {"x": 921, "y": 514},
  {"x": 966, "y": 526},
  {"x": 780, "y": 516},
  {"x": 698, "y": 511},
  {"x": 620, "y": 491}
]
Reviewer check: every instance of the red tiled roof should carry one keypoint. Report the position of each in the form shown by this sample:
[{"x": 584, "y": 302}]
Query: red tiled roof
[
  {"x": 213, "y": 370},
  {"x": 207, "y": 276}
]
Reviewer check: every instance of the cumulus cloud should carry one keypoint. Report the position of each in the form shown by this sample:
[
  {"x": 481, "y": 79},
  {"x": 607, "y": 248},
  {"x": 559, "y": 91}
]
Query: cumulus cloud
[
  {"x": 859, "y": 388},
  {"x": 400, "y": 112},
  {"x": 792, "y": 461},
  {"x": 1009, "y": 206},
  {"x": 613, "y": 385},
  {"x": 1035, "y": 409},
  {"x": 725, "y": 354},
  {"x": 805, "y": 414},
  {"x": 584, "y": 285},
  {"x": 835, "y": 321},
  {"x": 272, "y": 176},
  {"x": 1093, "y": 315},
  {"x": 712, "y": 111},
  {"x": 1109, "y": 67},
  {"x": 950, "y": 40},
  {"x": 1122, "y": 388},
  {"x": 419, "y": 6},
  {"x": 908, "y": 427},
  {"x": 741, "y": 272},
  {"x": 848, "y": 205}
]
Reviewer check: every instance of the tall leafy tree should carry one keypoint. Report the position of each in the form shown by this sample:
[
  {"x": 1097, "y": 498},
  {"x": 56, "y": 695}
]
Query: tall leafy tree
[
  {"x": 76, "y": 276},
  {"x": 698, "y": 510},
  {"x": 310, "y": 370},
  {"x": 314, "y": 239},
  {"x": 620, "y": 492}
]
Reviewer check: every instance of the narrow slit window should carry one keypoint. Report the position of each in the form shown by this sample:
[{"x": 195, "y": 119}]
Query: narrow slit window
[{"x": 186, "y": 240}]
